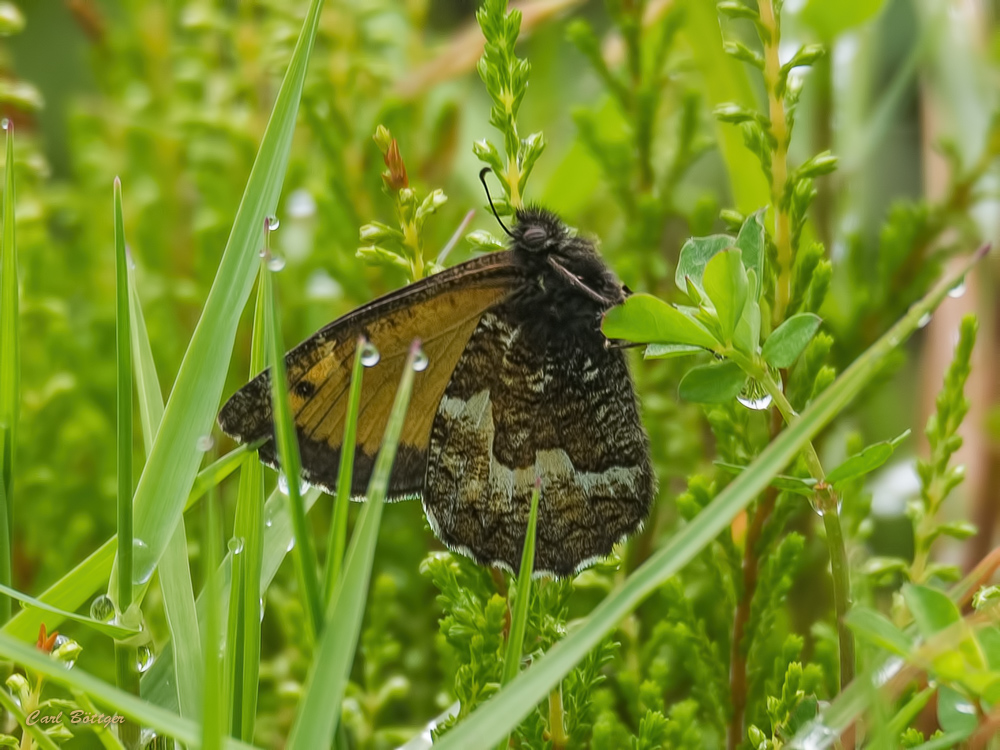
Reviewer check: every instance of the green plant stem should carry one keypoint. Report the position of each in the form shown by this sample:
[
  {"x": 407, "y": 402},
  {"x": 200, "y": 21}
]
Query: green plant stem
[
  {"x": 557, "y": 729},
  {"x": 825, "y": 503},
  {"x": 10, "y": 373},
  {"x": 779, "y": 158}
]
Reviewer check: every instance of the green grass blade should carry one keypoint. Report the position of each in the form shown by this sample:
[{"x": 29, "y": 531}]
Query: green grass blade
[
  {"x": 491, "y": 722},
  {"x": 213, "y": 713},
  {"x": 123, "y": 595},
  {"x": 174, "y": 570},
  {"x": 126, "y": 657},
  {"x": 133, "y": 708},
  {"x": 285, "y": 437},
  {"x": 10, "y": 371},
  {"x": 190, "y": 412},
  {"x": 243, "y": 630},
  {"x": 519, "y": 618},
  {"x": 106, "y": 628},
  {"x": 315, "y": 722},
  {"x": 338, "y": 527},
  {"x": 72, "y": 590},
  {"x": 522, "y": 598}
]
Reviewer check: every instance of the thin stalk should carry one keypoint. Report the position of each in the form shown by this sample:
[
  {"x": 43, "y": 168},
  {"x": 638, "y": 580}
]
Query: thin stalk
[
  {"x": 779, "y": 156},
  {"x": 557, "y": 729},
  {"x": 213, "y": 712},
  {"x": 345, "y": 477},
  {"x": 826, "y": 504}
]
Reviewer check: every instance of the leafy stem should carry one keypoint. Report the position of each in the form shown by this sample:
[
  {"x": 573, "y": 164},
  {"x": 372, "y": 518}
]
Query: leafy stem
[
  {"x": 825, "y": 503},
  {"x": 773, "y": 81}
]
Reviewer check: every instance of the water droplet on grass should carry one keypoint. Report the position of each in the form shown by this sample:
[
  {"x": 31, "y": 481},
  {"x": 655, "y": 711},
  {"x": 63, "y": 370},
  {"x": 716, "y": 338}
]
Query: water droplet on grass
[
  {"x": 753, "y": 396},
  {"x": 143, "y": 562},
  {"x": 924, "y": 320},
  {"x": 275, "y": 263},
  {"x": 958, "y": 290},
  {"x": 236, "y": 545},
  {"x": 144, "y": 658},
  {"x": 102, "y": 609},
  {"x": 369, "y": 354},
  {"x": 272, "y": 223},
  {"x": 420, "y": 361},
  {"x": 205, "y": 443}
]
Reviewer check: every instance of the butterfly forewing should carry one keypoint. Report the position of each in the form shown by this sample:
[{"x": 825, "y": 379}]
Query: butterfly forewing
[{"x": 441, "y": 311}]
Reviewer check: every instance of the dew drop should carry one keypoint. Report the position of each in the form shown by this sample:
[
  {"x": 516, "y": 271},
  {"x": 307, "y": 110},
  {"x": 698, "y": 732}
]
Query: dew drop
[
  {"x": 205, "y": 443},
  {"x": 924, "y": 320},
  {"x": 272, "y": 223},
  {"x": 420, "y": 361},
  {"x": 272, "y": 509},
  {"x": 370, "y": 354},
  {"x": 958, "y": 290},
  {"x": 283, "y": 485},
  {"x": 275, "y": 263},
  {"x": 236, "y": 545},
  {"x": 261, "y": 602},
  {"x": 144, "y": 658},
  {"x": 5, "y": 124},
  {"x": 102, "y": 609},
  {"x": 753, "y": 396},
  {"x": 291, "y": 544},
  {"x": 143, "y": 562},
  {"x": 262, "y": 252}
]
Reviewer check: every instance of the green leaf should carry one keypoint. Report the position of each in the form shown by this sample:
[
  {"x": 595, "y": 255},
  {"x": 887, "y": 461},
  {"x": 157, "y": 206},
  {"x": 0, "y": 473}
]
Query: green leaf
[
  {"x": 643, "y": 318},
  {"x": 800, "y": 486},
  {"x": 694, "y": 257},
  {"x": 932, "y": 610},
  {"x": 872, "y": 626},
  {"x": 328, "y": 677},
  {"x": 752, "y": 242},
  {"x": 190, "y": 412},
  {"x": 491, "y": 722},
  {"x": 788, "y": 340},
  {"x": 725, "y": 283},
  {"x": 864, "y": 462},
  {"x": 830, "y": 20},
  {"x": 955, "y": 712},
  {"x": 107, "y": 628},
  {"x": 668, "y": 351},
  {"x": 712, "y": 384}
]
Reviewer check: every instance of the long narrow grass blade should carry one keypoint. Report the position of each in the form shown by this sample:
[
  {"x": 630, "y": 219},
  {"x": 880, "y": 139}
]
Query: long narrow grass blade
[
  {"x": 82, "y": 582},
  {"x": 10, "y": 372},
  {"x": 243, "y": 630},
  {"x": 126, "y": 676},
  {"x": 175, "y": 572},
  {"x": 286, "y": 439},
  {"x": 106, "y": 628},
  {"x": 213, "y": 713},
  {"x": 522, "y": 598},
  {"x": 345, "y": 474},
  {"x": 491, "y": 722},
  {"x": 315, "y": 722},
  {"x": 133, "y": 708},
  {"x": 123, "y": 595},
  {"x": 173, "y": 461}
]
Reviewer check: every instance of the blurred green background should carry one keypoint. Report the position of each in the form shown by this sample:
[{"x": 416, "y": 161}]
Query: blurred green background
[{"x": 173, "y": 97}]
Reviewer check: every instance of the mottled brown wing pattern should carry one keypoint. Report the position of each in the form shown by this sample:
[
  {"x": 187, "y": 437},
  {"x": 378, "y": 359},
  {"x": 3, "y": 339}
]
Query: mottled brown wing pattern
[
  {"x": 441, "y": 310},
  {"x": 562, "y": 410}
]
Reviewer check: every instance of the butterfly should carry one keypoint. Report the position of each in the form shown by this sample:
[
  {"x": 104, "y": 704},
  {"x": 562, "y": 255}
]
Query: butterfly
[{"x": 520, "y": 384}]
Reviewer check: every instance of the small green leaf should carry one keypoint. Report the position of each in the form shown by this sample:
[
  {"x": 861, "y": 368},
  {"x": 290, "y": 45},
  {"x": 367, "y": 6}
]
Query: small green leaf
[
  {"x": 861, "y": 463},
  {"x": 643, "y": 318},
  {"x": 725, "y": 283},
  {"x": 932, "y": 610},
  {"x": 751, "y": 241},
  {"x": 788, "y": 340},
  {"x": 800, "y": 486},
  {"x": 955, "y": 712},
  {"x": 872, "y": 626},
  {"x": 712, "y": 384},
  {"x": 667, "y": 351},
  {"x": 830, "y": 20},
  {"x": 695, "y": 255}
]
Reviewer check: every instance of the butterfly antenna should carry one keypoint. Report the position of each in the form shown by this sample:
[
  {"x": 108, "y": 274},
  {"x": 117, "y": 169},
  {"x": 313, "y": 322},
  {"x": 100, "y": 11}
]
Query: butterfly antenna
[{"x": 482, "y": 179}]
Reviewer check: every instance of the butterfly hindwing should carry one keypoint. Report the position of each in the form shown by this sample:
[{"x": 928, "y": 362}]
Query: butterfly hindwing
[
  {"x": 442, "y": 311},
  {"x": 517, "y": 408}
]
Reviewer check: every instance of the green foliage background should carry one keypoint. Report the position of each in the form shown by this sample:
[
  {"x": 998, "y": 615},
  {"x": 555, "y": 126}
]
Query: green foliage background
[{"x": 173, "y": 98}]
